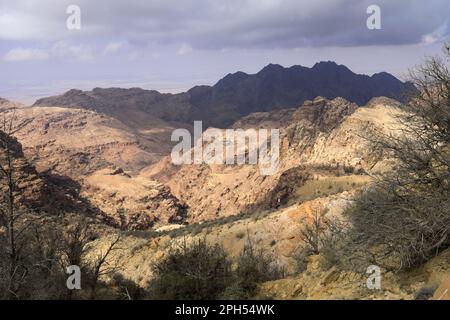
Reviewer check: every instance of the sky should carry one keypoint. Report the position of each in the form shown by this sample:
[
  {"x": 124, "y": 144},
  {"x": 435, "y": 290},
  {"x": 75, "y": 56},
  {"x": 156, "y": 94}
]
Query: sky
[{"x": 171, "y": 46}]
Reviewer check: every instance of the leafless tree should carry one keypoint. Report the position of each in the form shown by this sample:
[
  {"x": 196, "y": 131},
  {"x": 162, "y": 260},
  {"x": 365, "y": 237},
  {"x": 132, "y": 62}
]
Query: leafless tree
[
  {"x": 313, "y": 232},
  {"x": 9, "y": 212},
  {"x": 35, "y": 247},
  {"x": 409, "y": 209},
  {"x": 320, "y": 230},
  {"x": 74, "y": 245},
  {"x": 102, "y": 267}
]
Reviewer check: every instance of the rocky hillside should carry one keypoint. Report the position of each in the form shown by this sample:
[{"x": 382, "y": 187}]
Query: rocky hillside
[
  {"x": 277, "y": 232},
  {"x": 118, "y": 167},
  {"x": 38, "y": 192},
  {"x": 132, "y": 203},
  {"x": 234, "y": 96},
  {"x": 319, "y": 282},
  {"x": 97, "y": 154},
  {"x": 77, "y": 142},
  {"x": 6, "y": 104},
  {"x": 323, "y": 144}
]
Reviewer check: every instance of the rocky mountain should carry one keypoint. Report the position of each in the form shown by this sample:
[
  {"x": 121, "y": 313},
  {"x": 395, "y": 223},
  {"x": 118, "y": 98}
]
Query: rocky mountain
[
  {"x": 97, "y": 154},
  {"x": 322, "y": 145},
  {"x": 234, "y": 96},
  {"x": 92, "y": 163},
  {"x": 325, "y": 163},
  {"x": 77, "y": 142},
  {"x": 125, "y": 171},
  {"x": 37, "y": 191}
]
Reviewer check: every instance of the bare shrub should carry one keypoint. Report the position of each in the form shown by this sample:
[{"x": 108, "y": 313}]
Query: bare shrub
[
  {"x": 203, "y": 272},
  {"x": 35, "y": 247},
  {"x": 194, "y": 272},
  {"x": 407, "y": 214},
  {"x": 253, "y": 266},
  {"x": 319, "y": 231}
]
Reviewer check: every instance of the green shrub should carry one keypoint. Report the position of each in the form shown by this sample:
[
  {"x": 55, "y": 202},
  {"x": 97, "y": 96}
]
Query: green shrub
[
  {"x": 255, "y": 266},
  {"x": 204, "y": 272},
  {"x": 234, "y": 292},
  {"x": 195, "y": 272}
]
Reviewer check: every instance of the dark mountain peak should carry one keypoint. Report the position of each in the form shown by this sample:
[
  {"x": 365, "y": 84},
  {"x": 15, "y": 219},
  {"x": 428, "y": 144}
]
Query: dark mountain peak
[
  {"x": 231, "y": 79},
  {"x": 236, "y": 75},
  {"x": 297, "y": 68},
  {"x": 384, "y": 76},
  {"x": 73, "y": 92},
  {"x": 199, "y": 89},
  {"x": 330, "y": 66},
  {"x": 325, "y": 64},
  {"x": 271, "y": 68},
  {"x": 239, "y": 74}
]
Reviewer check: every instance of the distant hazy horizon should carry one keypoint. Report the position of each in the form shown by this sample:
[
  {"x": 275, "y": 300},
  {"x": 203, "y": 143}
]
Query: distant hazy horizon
[
  {"x": 172, "y": 46},
  {"x": 34, "y": 93}
]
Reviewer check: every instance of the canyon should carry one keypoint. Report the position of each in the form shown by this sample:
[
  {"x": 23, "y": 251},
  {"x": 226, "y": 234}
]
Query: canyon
[{"x": 105, "y": 154}]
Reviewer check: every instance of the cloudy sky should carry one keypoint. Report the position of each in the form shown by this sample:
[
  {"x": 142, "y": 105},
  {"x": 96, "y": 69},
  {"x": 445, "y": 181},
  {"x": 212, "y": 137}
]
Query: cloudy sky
[{"x": 172, "y": 45}]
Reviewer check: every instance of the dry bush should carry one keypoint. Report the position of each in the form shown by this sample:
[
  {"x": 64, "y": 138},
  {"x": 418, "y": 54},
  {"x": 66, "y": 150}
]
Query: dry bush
[
  {"x": 35, "y": 247},
  {"x": 195, "y": 272},
  {"x": 405, "y": 219},
  {"x": 253, "y": 266},
  {"x": 205, "y": 272},
  {"x": 321, "y": 235},
  {"x": 320, "y": 231}
]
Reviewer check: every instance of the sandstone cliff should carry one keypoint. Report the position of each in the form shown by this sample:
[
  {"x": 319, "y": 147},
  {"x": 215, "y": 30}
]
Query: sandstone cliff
[
  {"x": 321, "y": 141},
  {"x": 79, "y": 147}
]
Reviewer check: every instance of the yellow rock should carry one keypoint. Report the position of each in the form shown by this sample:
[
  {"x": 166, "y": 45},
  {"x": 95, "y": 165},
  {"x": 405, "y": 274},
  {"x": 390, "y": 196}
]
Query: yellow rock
[{"x": 443, "y": 291}]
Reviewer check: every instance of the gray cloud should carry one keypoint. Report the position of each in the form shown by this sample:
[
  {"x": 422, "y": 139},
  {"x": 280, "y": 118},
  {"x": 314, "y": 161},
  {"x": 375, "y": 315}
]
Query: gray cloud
[
  {"x": 172, "y": 45},
  {"x": 219, "y": 24}
]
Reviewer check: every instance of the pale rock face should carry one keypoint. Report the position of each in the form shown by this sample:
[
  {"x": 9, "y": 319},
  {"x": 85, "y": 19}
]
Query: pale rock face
[
  {"x": 76, "y": 142},
  {"x": 318, "y": 140},
  {"x": 132, "y": 202},
  {"x": 320, "y": 134},
  {"x": 82, "y": 144},
  {"x": 349, "y": 144}
]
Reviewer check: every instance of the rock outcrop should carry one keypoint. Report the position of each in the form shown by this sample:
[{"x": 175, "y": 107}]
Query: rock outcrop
[
  {"x": 9, "y": 105},
  {"x": 320, "y": 140},
  {"x": 82, "y": 146},
  {"x": 132, "y": 203},
  {"x": 38, "y": 192},
  {"x": 76, "y": 142}
]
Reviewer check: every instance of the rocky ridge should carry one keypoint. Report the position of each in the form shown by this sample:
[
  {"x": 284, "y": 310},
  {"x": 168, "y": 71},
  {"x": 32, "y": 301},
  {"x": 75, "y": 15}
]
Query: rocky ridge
[
  {"x": 76, "y": 146},
  {"x": 236, "y": 95},
  {"x": 320, "y": 140}
]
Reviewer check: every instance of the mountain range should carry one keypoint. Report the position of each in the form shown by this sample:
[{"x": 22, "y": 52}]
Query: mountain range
[{"x": 236, "y": 95}]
